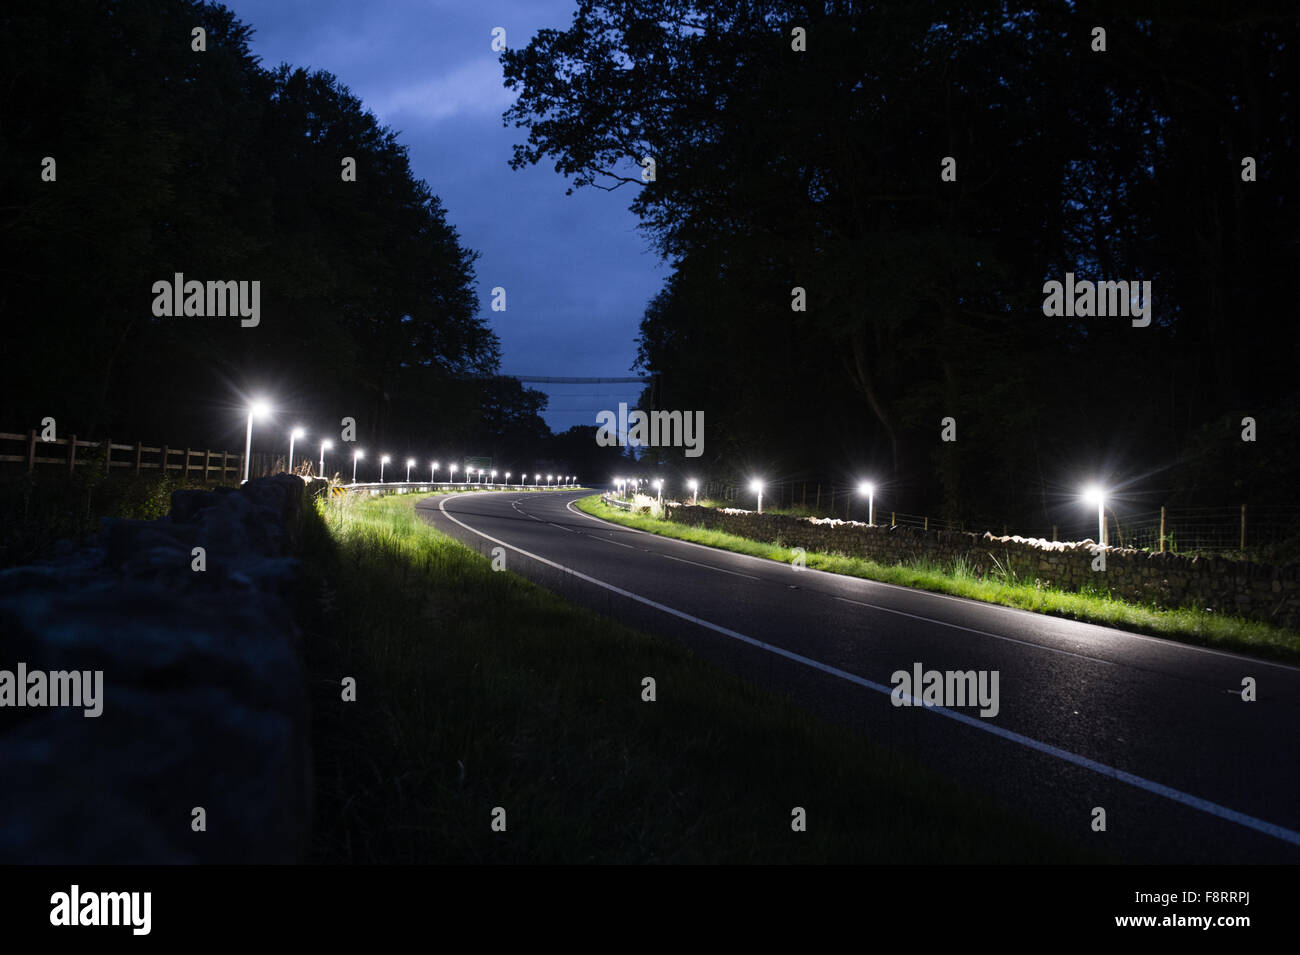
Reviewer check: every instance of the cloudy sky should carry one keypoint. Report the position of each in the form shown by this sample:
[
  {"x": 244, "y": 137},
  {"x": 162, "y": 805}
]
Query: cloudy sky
[{"x": 576, "y": 271}]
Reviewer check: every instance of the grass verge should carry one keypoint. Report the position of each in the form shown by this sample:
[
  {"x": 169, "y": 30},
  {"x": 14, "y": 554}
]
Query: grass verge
[
  {"x": 1201, "y": 627},
  {"x": 477, "y": 689}
]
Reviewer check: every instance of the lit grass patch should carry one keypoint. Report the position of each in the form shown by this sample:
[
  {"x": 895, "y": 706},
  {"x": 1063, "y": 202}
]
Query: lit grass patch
[{"x": 1188, "y": 625}]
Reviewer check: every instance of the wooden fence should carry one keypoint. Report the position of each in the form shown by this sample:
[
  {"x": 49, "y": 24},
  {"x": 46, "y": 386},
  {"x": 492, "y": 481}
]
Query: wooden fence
[{"x": 136, "y": 458}]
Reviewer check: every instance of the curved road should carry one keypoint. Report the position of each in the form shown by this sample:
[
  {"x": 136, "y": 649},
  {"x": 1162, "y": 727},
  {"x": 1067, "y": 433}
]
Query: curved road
[{"x": 1153, "y": 732}]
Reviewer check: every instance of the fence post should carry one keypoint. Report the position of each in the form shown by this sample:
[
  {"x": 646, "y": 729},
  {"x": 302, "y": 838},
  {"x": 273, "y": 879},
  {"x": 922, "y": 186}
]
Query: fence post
[
  {"x": 1054, "y": 532},
  {"x": 225, "y": 464},
  {"x": 166, "y": 452},
  {"x": 108, "y": 455},
  {"x": 891, "y": 519},
  {"x": 1162, "y": 528},
  {"x": 72, "y": 453},
  {"x": 185, "y": 474},
  {"x": 31, "y": 450},
  {"x": 1243, "y": 530},
  {"x": 139, "y": 450},
  {"x": 927, "y": 523}
]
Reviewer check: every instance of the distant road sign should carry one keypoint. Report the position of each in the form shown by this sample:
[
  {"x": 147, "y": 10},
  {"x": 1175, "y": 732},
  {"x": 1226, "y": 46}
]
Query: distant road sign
[{"x": 478, "y": 462}]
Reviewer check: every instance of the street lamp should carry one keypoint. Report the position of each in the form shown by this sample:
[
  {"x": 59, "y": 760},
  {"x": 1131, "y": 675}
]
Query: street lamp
[
  {"x": 410, "y": 463},
  {"x": 507, "y": 479},
  {"x": 357, "y": 455},
  {"x": 659, "y": 484},
  {"x": 536, "y": 478},
  {"x": 451, "y": 473},
  {"x": 257, "y": 409},
  {"x": 382, "y": 461},
  {"x": 757, "y": 487},
  {"x": 293, "y": 435},
  {"x": 869, "y": 489},
  {"x": 1094, "y": 494},
  {"x": 433, "y": 466},
  {"x": 324, "y": 446},
  {"x": 694, "y": 485},
  {"x": 494, "y": 478}
]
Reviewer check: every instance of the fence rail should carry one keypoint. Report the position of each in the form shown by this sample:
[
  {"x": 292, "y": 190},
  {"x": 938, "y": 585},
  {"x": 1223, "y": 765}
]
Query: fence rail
[{"x": 135, "y": 458}]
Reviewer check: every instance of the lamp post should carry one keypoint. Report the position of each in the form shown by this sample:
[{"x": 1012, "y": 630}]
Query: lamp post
[
  {"x": 357, "y": 455},
  {"x": 1091, "y": 494},
  {"x": 293, "y": 436},
  {"x": 757, "y": 487},
  {"x": 694, "y": 485},
  {"x": 451, "y": 473},
  {"x": 324, "y": 446},
  {"x": 382, "y": 461},
  {"x": 869, "y": 489},
  {"x": 433, "y": 466},
  {"x": 410, "y": 463},
  {"x": 494, "y": 478},
  {"x": 258, "y": 409},
  {"x": 659, "y": 485}
]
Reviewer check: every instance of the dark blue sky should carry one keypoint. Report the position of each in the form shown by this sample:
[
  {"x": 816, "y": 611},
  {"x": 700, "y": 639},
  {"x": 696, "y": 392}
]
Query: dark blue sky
[{"x": 576, "y": 271}]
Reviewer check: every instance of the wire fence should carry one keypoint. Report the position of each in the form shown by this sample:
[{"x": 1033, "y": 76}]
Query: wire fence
[{"x": 1265, "y": 533}]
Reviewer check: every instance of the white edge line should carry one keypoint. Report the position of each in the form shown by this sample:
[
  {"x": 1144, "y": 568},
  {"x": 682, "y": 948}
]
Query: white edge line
[
  {"x": 1162, "y": 641},
  {"x": 1158, "y": 789}
]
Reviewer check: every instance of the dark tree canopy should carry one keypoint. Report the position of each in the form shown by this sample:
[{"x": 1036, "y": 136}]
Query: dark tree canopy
[
  {"x": 821, "y": 169},
  {"x": 205, "y": 163}
]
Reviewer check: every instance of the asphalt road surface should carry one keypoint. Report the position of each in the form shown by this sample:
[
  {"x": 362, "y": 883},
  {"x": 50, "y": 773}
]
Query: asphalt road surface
[{"x": 1153, "y": 732}]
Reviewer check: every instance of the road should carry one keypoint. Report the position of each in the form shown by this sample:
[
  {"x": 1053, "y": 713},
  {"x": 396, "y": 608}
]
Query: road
[{"x": 1153, "y": 732}]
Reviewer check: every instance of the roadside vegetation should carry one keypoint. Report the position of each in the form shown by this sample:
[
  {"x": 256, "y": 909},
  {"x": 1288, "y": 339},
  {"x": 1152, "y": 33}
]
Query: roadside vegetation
[
  {"x": 1188, "y": 625},
  {"x": 48, "y": 505},
  {"x": 477, "y": 689}
]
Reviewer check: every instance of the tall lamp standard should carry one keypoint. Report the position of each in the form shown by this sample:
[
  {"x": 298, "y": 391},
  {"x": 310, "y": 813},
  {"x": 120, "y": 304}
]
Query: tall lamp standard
[
  {"x": 324, "y": 446},
  {"x": 451, "y": 470},
  {"x": 694, "y": 485},
  {"x": 869, "y": 489},
  {"x": 494, "y": 478},
  {"x": 293, "y": 436},
  {"x": 410, "y": 463},
  {"x": 257, "y": 409},
  {"x": 1094, "y": 494},
  {"x": 382, "y": 461},
  {"x": 433, "y": 466},
  {"x": 757, "y": 487},
  {"x": 357, "y": 455}
]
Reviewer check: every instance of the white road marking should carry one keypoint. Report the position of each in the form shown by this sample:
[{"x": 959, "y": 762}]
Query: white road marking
[
  {"x": 1158, "y": 789},
  {"x": 982, "y": 633},
  {"x": 1166, "y": 644}
]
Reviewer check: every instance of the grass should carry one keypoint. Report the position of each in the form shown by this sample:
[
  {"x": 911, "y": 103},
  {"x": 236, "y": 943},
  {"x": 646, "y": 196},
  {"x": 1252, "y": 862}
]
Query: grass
[
  {"x": 477, "y": 689},
  {"x": 1187, "y": 625}
]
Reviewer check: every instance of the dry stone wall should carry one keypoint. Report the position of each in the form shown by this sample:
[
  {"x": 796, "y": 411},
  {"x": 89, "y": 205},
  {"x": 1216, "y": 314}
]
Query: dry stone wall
[{"x": 1257, "y": 591}]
